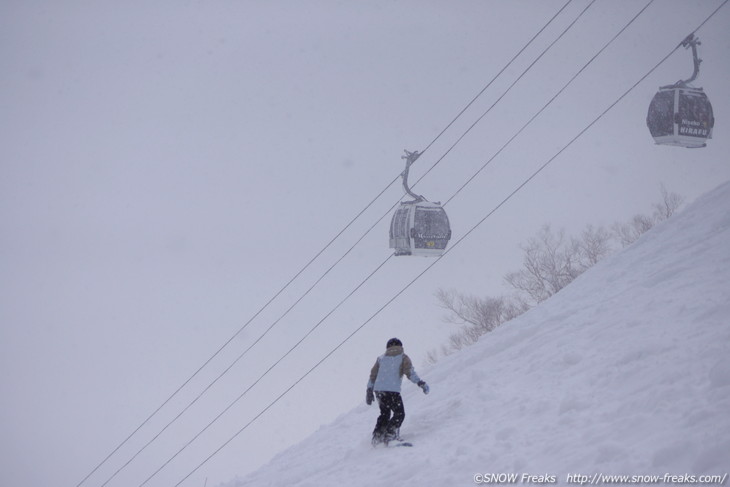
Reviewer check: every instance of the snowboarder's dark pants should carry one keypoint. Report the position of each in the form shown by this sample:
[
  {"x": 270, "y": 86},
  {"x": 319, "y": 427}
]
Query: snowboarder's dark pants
[{"x": 389, "y": 402}]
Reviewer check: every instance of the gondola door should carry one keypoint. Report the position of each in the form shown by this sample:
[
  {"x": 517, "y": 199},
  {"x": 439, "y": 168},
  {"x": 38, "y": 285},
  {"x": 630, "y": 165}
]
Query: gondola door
[
  {"x": 430, "y": 231},
  {"x": 399, "y": 230},
  {"x": 694, "y": 118}
]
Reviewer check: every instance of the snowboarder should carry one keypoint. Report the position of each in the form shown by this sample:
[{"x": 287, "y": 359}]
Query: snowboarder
[{"x": 384, "y": 384}]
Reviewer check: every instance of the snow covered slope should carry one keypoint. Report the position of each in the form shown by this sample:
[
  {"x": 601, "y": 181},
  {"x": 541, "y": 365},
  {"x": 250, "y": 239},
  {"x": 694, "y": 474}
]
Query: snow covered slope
[{"x": 625, "y": 372}]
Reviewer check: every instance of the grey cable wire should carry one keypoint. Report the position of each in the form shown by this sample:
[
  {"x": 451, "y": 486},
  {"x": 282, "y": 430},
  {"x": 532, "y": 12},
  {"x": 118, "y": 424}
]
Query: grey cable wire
[
  {"x": 454, "y": 245},
  {"x": 363, "y": 282},
  {"x": 288, "y": 283}
]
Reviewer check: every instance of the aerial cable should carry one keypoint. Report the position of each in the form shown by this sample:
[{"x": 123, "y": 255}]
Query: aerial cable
[
  {"x": 401, "y": 230},
  {"x": 295, "y": 346},
  {"x": 233, "y": 337},
  {"x": 458, "y": 115},
  {"x": 461, "y": 239},
  {"x": 341, "y": 258},
  {"x": 557, "y": 94},
  {"x": 383, "y": 263},
  {"x": 509, "y": 88},
  {"x": 242, "y": 354},
  {"x": 337, "y": 262},
  {"x": 306, "y": 266},
  {"x": 228, "y": 342}
]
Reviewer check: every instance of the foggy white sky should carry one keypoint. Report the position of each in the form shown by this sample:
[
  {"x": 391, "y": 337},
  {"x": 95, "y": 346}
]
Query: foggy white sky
[{"x": 167, "y": 166}]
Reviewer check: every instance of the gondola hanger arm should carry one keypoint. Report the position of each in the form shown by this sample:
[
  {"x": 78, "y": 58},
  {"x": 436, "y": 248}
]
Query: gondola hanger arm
[
  {"x": 410, "y": 158},
  {"x": 691, "y": 42}
]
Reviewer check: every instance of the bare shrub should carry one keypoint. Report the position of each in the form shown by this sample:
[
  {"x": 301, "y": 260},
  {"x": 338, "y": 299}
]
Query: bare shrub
[
  {"x": 668, "y": 206},
  {"x": 628, "y": 233},
  {"x": 477, "y": 316},
  {"x": 550, "y": 262},
  {"x": 594, "y": 245}
]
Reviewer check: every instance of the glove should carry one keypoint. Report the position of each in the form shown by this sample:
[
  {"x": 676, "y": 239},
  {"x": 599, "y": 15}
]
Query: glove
[
  {"x": 422, "y": 384},
  {"x": 369, "y": 396}
]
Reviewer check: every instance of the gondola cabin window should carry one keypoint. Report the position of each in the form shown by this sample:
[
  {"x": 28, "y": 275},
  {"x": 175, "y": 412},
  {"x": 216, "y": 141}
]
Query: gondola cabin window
[{"x": 661, "y": 114}]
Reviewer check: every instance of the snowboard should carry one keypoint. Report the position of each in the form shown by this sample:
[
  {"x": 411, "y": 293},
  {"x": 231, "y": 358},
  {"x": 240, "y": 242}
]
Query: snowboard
[
  {"x": 392, "y": 443},
  {"x": 399, "y": 443}
]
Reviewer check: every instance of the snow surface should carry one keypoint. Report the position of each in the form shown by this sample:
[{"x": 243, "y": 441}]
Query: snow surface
[{"x": 626, "y": 372}]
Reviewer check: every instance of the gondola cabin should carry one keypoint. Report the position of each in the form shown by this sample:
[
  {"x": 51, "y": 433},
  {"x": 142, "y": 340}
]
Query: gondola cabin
[
  {"x": 419, "y": 228},
  {"x": 680, "y": 116}
]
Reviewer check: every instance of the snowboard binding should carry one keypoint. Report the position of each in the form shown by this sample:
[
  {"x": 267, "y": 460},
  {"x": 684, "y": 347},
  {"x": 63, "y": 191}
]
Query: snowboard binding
[{"x": 386, "y": 437}]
